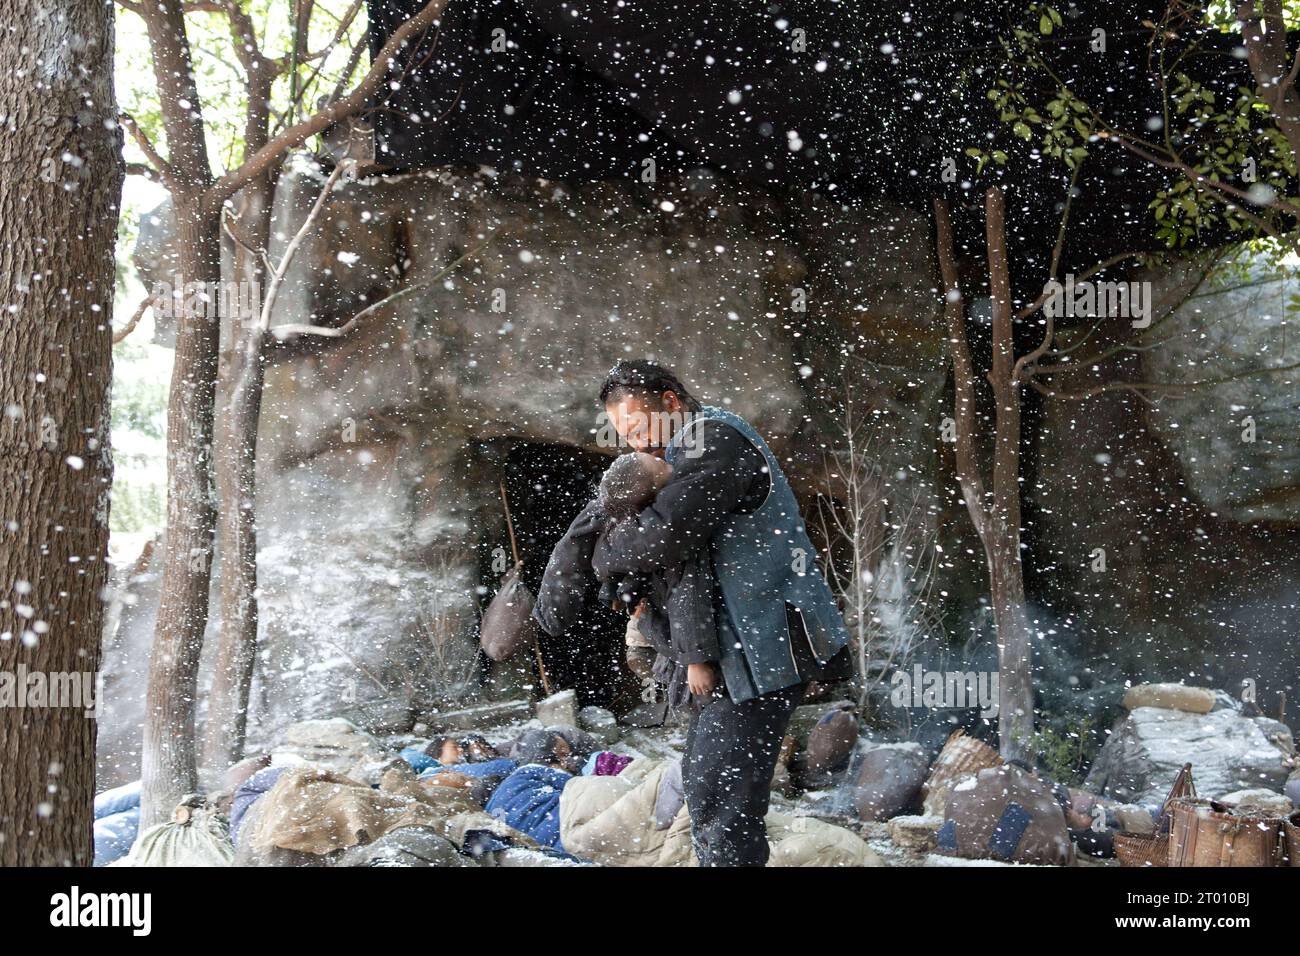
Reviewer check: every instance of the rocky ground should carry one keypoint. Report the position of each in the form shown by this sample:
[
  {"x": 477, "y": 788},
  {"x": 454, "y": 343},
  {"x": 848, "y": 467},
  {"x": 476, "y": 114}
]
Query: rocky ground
[{"x": 960, "y": 807}]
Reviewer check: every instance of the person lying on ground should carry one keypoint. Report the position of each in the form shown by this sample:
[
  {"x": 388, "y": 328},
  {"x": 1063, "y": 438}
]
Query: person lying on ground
[
  {"x": 563, "y": 748},
  {"x": 448, "y": 750},
  {"x": 479, "y": 779},
  {"x": 529, "y": 798}
]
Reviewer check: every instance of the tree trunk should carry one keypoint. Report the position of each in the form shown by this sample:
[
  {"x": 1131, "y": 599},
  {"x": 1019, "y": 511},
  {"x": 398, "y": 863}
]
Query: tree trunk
[
  {"x": 60, "y": 185},
  {"x": 236, "y": 459},
  {"x": 997, "y": 521},
  {"x": 1263, "y": 30},
  {"x": 239, "y": 390},
  {"x": 169, "y": 769},
  {"x": 1002, "y": 543}
]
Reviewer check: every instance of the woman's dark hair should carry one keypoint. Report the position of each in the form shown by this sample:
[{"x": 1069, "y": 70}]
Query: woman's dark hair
[
  {"x": 537, "y": 746},
  {"x": 467, "y": 744},
  {"x": 626, "y": 487},
  {"x": 644, "y": 377}
]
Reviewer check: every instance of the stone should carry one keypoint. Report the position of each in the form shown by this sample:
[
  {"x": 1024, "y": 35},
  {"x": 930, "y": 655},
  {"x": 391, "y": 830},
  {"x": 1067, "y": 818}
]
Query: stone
[
  {"x": 886, "y": 780},
  {"x": 1242, "y": 464},
  {"x": 1259, "y": 802},
  {"x": 1228, "y": 752},
  {"x": 560, "y": 709},
  {"x": 806, "y": 716},
  {"x": 1172, "y": 612},
  {"x": 1193, "y": 700},
  {"x": 387, "y": 440},
  {"x": 380, "y": 716},
  {"x": 600, "y": 723},
  {"x": 479, "y": 717},
  {"x": 917, "y": 833},
  {"x": 335, "y": 743},
  {"x": 405, "y": 846}
]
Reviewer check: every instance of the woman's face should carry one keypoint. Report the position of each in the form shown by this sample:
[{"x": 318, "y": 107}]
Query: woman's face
[{"x": 450, "y": 752}]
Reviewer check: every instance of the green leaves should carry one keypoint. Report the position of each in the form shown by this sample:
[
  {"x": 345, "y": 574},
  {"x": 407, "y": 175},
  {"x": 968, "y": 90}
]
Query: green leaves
[
  {"x": 219, "y": 73},
  {"x": 983, "y": 158},
  {"x": 1048, "y": 17},
  {"x": 1211, "y": 140}
]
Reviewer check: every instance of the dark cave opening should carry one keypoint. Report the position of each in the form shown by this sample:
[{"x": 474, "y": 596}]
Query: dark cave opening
[{"x": 547, "y": 485}]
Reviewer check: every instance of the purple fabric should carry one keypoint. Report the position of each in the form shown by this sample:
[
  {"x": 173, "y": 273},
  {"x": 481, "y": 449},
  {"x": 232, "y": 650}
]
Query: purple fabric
[{"x": 609, "y": 764}]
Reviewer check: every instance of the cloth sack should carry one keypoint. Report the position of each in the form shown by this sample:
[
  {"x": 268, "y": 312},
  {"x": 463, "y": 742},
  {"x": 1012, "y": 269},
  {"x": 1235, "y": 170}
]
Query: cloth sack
[
  {"x": 508, "y": 624},
  {"x": 196, "y": 836},
  {"x": 1005, "y": 813}
]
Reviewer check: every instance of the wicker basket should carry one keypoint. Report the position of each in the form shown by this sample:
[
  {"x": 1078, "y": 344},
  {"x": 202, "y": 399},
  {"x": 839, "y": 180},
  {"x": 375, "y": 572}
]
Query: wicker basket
[
  {"x": 1291, "y": 839},
  {"x": 1142, "y": 849},
  {"x": 1204, "y": 833},
  {"x": 1152, "y": 849}
]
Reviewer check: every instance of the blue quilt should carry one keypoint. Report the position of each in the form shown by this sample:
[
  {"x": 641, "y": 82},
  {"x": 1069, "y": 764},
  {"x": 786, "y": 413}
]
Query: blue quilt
[{"x": 529, "y": 800}]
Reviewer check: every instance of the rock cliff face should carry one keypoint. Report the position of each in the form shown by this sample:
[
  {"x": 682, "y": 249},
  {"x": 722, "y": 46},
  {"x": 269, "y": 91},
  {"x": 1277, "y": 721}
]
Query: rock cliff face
[
  {"x": 381, "y": 452},
  {"x": 1235, "y": 440},
  {"x": 1193, "y": 506}
]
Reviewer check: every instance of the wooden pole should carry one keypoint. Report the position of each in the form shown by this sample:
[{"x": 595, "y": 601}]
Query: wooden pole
[{"x": 514, "y": 550}]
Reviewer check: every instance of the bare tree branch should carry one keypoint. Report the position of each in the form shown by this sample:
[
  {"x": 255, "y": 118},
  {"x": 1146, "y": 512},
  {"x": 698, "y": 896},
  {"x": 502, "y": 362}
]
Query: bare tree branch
[
  {"x": 954, "y": 311},
  {"x": 1174, "y": 387},
  {"x": 145, "y": 170},
  {"x": 136, "y": 316},
  {"x": 160, "y": 166},
  {"x": 350, "y": 67},
  {"x": 231, "y": 182},
  {"x": 277, "y": 274},
  {"x": 285, "y": 333}
]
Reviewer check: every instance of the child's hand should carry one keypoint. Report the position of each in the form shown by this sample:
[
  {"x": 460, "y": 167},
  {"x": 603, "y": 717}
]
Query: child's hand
[{"x": 700, "y": 678}]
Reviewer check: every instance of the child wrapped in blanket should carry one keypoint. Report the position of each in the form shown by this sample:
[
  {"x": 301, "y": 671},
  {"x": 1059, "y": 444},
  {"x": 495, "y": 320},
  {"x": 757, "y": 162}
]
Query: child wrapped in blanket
[{"x": 672, "y": 610}]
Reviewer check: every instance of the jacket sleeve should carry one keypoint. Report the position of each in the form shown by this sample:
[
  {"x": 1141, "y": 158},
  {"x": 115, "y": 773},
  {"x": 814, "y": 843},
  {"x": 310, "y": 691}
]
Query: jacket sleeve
[
  {"x": 567, "y": 578},
  {"x": 691, "y": 614},
  {"x": 703, "y": 490}
]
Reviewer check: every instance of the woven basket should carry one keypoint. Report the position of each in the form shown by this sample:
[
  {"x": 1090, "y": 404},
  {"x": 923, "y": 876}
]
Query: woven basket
[
  {"x": 1203, "y": 833},
  {"x": 1142, "y": 849},
  {"x": 1152, "y": 849},
  {"x": 1291, "y": 839}
]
